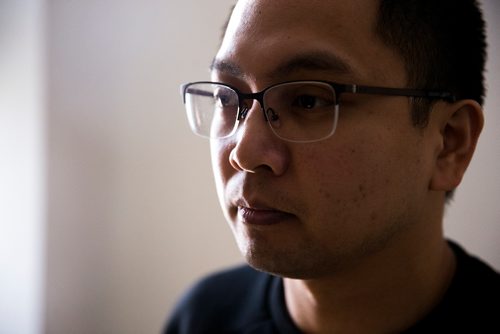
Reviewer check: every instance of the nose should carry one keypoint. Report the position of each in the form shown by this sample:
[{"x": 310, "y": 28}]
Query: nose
[{"x": 256, "y": 147}]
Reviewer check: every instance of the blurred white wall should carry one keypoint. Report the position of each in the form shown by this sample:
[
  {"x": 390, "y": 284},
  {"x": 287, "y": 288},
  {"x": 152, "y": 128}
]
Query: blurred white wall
[
  {"x": 22, "y": 166},
  {"x": 132, "y": 217}
]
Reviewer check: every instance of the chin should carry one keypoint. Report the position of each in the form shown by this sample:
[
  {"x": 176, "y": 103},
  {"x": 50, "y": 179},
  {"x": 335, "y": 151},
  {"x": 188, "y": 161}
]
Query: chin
[{"x": 297, "y": 263}]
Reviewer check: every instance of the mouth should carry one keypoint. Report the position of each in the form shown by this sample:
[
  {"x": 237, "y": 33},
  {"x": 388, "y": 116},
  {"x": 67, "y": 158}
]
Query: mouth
[{"x": 261, "y": 215}]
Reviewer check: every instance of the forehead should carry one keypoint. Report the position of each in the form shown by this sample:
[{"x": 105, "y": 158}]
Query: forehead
[
  {"x": 262, "y": 35},
  {"x": 265, "y": 14}
]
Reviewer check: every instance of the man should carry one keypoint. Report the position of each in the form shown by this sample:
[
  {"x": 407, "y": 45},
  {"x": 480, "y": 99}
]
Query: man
[{"x": 339, "y": 129}]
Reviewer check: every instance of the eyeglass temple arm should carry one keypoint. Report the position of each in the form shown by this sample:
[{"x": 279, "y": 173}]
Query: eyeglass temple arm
[
  {"x": 400, "y": 92},
  {"x": 185, "y": 90}
]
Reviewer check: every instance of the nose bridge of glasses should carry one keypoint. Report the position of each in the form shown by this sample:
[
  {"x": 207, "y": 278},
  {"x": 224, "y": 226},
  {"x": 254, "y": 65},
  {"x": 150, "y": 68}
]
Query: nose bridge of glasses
[{"x": 245, "y": 109}]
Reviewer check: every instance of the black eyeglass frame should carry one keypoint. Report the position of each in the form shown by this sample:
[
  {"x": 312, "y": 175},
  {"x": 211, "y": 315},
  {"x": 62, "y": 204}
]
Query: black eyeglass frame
[{"x": 338, "y": 89}]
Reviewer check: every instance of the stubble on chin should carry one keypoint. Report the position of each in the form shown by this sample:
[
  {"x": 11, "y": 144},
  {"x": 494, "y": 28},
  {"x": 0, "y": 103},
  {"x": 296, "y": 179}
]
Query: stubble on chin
[{"x": 307, "y": 259}]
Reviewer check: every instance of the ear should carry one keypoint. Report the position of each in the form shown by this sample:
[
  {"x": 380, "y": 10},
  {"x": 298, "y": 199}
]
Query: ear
[{"x": 460, "y": 125}]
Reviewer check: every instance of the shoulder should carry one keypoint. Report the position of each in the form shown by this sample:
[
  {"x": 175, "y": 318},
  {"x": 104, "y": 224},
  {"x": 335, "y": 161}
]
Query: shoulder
[
  {"x": 472, "y": 301},
  {"x": 222, "y": 302},
  {"x": 475, "y": 288},
  {"x": 474, "y": 277}
]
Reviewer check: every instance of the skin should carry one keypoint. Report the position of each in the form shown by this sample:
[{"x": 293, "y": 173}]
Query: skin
[{"x": 354, "y": 222}]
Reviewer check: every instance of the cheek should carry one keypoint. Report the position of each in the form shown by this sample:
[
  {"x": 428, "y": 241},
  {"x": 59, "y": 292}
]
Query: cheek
[
  {"x": 327, "y": 181},
  {"x": 343, "y": 174},
  {"x": 357, "y": 182}
]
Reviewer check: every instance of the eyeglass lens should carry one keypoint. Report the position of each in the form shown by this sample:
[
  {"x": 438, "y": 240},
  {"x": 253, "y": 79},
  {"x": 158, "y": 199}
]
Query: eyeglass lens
[{"x": 299, "y": 111}]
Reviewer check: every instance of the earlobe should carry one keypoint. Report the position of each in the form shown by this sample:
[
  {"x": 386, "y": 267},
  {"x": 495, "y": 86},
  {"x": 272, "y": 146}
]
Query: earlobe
[{"x": 460, "y": 126}]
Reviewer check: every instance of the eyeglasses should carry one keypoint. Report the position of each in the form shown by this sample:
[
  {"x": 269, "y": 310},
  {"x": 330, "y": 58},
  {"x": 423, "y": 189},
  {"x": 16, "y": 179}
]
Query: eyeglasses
[{"x": 297, "y": 111}]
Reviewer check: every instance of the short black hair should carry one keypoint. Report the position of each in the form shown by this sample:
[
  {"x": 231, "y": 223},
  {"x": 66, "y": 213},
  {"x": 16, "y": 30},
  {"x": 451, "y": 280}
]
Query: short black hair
[{"x": 443, "y": 45}]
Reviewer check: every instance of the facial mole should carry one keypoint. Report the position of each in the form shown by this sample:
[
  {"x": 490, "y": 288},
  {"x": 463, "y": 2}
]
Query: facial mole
[
  {"x": 325, "y": 193},
  {"x": 362, "y": 191}
]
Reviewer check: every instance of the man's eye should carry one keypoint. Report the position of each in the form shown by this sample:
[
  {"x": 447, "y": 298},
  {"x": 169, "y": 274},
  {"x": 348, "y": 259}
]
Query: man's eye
[
  {"x": 310, "y": 102},
  {"x": 307, "y": 101},
  {"x": 223, "y": 100}
]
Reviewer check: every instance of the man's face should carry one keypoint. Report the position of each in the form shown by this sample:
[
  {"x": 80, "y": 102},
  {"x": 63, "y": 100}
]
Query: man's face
[{"x": 306, "y": 210}]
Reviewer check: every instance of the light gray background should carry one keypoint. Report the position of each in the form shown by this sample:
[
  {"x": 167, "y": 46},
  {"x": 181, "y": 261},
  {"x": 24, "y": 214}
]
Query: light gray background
[{"x": 125, "y": 215}]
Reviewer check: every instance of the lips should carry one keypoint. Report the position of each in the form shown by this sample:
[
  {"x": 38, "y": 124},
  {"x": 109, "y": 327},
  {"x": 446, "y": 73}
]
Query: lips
[
  {"x": 252, "y": 200},
  {"x": 254, "y": 214}
]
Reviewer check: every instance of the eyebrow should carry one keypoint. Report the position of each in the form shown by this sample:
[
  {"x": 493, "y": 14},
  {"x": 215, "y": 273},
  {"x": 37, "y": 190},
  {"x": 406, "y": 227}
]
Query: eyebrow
[{"x": 307, "y": 61}]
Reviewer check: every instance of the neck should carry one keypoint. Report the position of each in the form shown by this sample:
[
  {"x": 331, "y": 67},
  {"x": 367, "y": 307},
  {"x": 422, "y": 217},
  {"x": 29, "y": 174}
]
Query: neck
[{"x": 388, "y": 292}]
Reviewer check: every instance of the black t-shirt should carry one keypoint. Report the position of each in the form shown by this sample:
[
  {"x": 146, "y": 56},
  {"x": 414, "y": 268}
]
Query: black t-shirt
[{"x": 245, "y": 301}]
